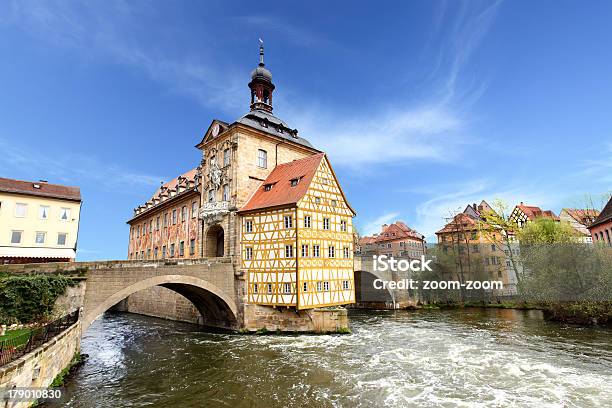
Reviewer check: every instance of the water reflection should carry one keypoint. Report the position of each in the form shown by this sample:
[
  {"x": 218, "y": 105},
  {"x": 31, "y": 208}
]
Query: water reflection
[{"x": 493, "y": 357}]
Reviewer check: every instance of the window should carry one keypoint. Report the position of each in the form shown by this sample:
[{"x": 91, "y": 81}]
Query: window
[
  {"x": 191, "y": 246},
  {"x": 156, "y": 252},
  {"x": 65, "y": 214},
  {"x": 248, "y": 226},
  {"x": 288, "y": 221},
  {"x": 319, "y": 286},
  {"x": 40, "y": 237},
  {"x": 255, "y": 288},
  {"x": 211, "y": 196},
  {"x": 345, "y": 285},
  {"x": 138, "y": 235},
  {"x": 305, "y": 287},
  {"x": 21, "y": 210},
  {"x": 248, "y": 253},
  {"x": 213, "y": 160},
  {"x": 325, "y": 223},
  {"x": 226, "y": 157},
  {"x": 343, "y": 225},
  {"x": 287, "y": 288},
  {"x": 183, "y": 213},
  {"x": 151, "y": 227},
  {"x": 389, "y": 245},
  {"x": 226, "y": 192},
  {"x": 288, "y": 251},
  {"x": 269, "y": 285},
  {"x": 174, "y": 217},
  {"x": 149, "y": 253},
  {"x": 182, "y": 248},
  {"x": 61, "y": 238},
  {"x": 16, "y": 237},
  {"x": 171, "y": 250},
  {"x": 165, "y": 220},
  {"x": 194, "y": 209},
  {"x": 262, "y": 158},
  {"x": 294, "y": 182},
  {"x": 492, "y": 247},
  {"x": 307, "y": 221},
  {"x": 43, "y": 212},
  {"x": 331, "y": 251},
  {"x": 346, "y": 252},
  {"x": 334, "y": 203},
  {"x": 499, "y": 274},
  {"x": 157, "y": 224},
  {"x": 304, "y": 251},
  {"x": 317, "y": 200},
  {"x": 164, "y": 252},
  {"x": 267, "y": 187},
  {"x": 326, "y": 286},
  {"x": 316, "y": 251}
]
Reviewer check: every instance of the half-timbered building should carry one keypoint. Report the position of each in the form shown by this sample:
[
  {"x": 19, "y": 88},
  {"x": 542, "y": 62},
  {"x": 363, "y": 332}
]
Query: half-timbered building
[{"x": 297, "y": 238}]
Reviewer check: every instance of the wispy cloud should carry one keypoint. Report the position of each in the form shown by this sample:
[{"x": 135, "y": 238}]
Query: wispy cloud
[
  {"x": 72, "y": 168},
  {"x": 373, "y": 226}
]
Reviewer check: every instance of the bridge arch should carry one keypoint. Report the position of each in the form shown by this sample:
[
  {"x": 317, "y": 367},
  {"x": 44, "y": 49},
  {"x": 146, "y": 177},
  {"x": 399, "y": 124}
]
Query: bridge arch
[
  {"x": 366, "y": 296},
  {"x": 206, "y": 297}
]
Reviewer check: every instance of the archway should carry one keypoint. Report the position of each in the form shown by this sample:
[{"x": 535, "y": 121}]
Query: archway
[
  {"x": 215, "y": 241},
  {"x": 216, "y": 308}
]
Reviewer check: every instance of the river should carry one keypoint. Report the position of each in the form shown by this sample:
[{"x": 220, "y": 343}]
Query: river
[{"x": 432, "y": 358}]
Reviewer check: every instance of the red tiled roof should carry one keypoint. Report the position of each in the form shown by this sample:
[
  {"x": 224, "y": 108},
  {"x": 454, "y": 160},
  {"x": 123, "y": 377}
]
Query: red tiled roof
[
  {"x": 397, "y": 230},
  {"x": 43, "y": 190},
  {"x": 460, "y": 222},
  {"x": 366, "y": 240},
  {"x": 535, "y": 212},
  {"x": 282, "y": 193},
  {"x": 583, "y": 216}
]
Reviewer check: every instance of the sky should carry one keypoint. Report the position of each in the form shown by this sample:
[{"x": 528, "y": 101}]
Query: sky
[{"x": 422, "y": 106}]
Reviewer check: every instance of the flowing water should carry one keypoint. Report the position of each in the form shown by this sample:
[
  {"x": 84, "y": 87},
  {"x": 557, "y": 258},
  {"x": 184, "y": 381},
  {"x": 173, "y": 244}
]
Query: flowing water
[{"x": 468, "y": 358}]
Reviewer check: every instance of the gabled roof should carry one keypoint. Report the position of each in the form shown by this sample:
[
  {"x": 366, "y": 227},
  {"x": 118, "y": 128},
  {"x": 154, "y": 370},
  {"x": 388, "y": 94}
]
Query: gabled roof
[
  {"x": 605, "y": 215},
  {"x": 281, "y": 192},
  {"x": 397, "y": 230},
  {"x": 582, "y": 216},
  {"x": 259, "y": 120},
  {"x": 40, "y": 189},
  {"x": 533, "y": 212}
]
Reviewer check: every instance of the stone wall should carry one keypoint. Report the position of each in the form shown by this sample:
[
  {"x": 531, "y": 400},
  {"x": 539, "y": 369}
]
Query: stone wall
[
  {"x": 39, "y": 367},
  {"x": 323, "y": 320},
  {"x": 161, "y": 302}
]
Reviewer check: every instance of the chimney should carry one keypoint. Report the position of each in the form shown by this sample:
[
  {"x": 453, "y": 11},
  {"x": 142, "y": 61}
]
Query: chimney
[
  {"x": 384, "y": 226},
  {"x": 522, "y": 203}
]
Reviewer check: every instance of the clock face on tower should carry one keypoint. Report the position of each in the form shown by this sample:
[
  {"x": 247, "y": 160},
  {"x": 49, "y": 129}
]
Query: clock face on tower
[{"x": 215, "y": 130}]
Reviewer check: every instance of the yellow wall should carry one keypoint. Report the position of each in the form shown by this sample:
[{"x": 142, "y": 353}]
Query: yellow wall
[{"x": 32, "y": 223}]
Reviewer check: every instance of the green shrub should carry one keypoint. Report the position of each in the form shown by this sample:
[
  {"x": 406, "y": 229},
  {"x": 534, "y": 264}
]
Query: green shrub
[{"x": 30, "y": 297}]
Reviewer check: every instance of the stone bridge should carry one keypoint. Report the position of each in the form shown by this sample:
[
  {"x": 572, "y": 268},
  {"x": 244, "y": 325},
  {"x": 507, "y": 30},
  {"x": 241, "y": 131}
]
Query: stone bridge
[
  {"x": 368, "y": 297},
  {"x": 209, "y": 284}
]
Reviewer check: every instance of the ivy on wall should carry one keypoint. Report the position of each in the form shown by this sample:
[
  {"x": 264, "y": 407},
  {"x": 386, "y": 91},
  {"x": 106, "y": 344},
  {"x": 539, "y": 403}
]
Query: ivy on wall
[{"x": 27, "y": 298}]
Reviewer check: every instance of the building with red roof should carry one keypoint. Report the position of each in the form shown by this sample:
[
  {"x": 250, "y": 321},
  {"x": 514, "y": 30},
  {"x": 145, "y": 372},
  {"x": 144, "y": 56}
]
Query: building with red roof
[
  {"x": 396, "y": 240},
  {"x": 601, "y": 228}
]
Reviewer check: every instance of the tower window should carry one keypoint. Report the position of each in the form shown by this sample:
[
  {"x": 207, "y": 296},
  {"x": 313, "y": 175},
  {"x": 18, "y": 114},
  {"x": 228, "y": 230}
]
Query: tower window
[{"x": 262, "y": 158}]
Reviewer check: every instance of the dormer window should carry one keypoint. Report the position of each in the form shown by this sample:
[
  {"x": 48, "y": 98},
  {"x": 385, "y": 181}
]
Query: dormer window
[
  {"x": 279, "y": 129},
  {"x": 267, "y": 187},
  {"x": 294, "y": 182}
]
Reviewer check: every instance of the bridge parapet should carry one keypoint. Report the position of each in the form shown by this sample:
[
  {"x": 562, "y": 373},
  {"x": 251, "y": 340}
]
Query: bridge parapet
[{"x": 52, "y": 267}]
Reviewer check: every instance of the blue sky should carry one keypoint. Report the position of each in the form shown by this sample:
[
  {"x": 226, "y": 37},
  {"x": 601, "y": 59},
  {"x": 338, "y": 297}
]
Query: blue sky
[{"x": 422, "y": 106}]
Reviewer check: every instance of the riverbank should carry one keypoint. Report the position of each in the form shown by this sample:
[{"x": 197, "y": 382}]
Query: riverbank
[{"x": 578, "y": 313}]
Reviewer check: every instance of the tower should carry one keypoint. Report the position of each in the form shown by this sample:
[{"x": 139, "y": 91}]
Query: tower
[{"x": 261, "y": 85}]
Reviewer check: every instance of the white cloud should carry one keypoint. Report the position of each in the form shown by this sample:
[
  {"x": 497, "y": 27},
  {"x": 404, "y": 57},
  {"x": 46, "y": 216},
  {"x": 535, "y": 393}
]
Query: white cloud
[
  {"x": 71, "y": 168},
  {"x": 373, "y": 226}
]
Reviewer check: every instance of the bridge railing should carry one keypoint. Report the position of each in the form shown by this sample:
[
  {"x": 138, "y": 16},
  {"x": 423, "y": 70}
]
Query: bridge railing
[{"x": 14, "y": 347}]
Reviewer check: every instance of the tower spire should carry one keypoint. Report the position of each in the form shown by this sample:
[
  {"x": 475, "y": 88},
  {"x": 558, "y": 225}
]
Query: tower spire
[
  {"x": 261, "y": 84},
  {"x": 261, "y": 53}
]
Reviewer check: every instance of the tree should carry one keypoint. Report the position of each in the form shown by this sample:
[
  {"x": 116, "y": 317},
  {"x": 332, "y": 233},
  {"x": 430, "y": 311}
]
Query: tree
[
  {"x": 497, "y": 227},
  {"x": 547, "y": 231}
]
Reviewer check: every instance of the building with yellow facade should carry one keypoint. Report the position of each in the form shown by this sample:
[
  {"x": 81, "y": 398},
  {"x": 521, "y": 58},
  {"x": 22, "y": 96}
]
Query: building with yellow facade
[{"x": 39, "y": 222}]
